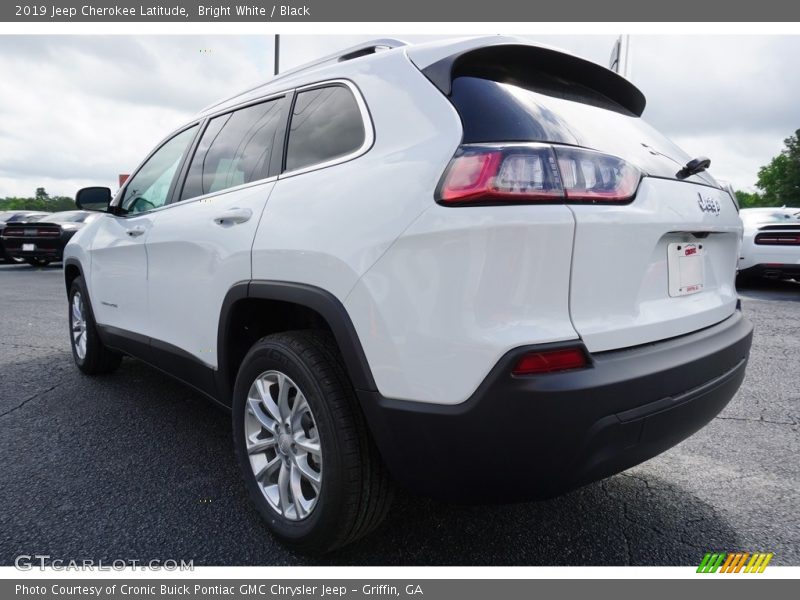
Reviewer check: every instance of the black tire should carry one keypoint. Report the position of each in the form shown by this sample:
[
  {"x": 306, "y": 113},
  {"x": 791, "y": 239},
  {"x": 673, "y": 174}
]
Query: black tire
[
  {"x": 746, "y": 280},
  {"x": 37, "y": 262},
  {"x": 356, "y": 491},
  {"x": 10, "y": 260},
  {"x": 98, "y": 360}
]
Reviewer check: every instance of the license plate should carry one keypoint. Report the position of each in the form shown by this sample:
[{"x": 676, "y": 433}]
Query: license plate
[
  {"x": 686, "y": 264},
  {"x": 28, "y": 247}
]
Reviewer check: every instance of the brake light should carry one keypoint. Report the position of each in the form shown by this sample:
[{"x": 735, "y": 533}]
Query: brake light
[
  {"x": 536, "y": 173},
  {"x": 778, "y": 239},
  {"x": 551, "y": 361}
]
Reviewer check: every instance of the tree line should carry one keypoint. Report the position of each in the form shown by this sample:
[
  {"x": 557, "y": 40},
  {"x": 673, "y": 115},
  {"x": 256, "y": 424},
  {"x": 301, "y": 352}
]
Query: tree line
[{"x": 40, "y": 201}]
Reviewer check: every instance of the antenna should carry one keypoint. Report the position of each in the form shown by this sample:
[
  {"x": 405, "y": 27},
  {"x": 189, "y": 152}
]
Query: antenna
[{"x": 277, "y": 53}]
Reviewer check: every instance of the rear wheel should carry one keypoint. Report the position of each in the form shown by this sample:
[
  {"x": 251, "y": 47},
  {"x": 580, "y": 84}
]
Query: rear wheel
[
  {"x": 90, "y": 354},
  {"x": 302, "y": 444},
  {"x": 10, "y": 260},
  {"x": 745, "y": 280},
  {"x": 37, "y": 262}
]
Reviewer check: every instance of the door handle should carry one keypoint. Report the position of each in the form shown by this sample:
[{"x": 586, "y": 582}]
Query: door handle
[
  {"x": 135, "y": 231},
  {"x": 233, "y": 216}
]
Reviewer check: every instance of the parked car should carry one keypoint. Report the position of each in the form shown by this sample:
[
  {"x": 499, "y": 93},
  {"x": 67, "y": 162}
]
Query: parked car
[
  {"x": 42, "y": 241},
  {"x": 466, "y": 266},
  {"x": 770, "y": 244},
  {"x": 16, "y": 216}
]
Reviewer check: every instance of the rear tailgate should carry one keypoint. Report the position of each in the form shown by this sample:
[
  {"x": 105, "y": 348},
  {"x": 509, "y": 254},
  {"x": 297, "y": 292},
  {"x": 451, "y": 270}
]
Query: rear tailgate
[
  {"x": 623, "y": 293},
  {"x": 645, "y": 268}
]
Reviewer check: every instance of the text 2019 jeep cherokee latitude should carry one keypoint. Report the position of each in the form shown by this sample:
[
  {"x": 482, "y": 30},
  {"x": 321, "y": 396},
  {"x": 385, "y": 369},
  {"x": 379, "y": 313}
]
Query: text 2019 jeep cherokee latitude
[{"x": 465, "y": 266}]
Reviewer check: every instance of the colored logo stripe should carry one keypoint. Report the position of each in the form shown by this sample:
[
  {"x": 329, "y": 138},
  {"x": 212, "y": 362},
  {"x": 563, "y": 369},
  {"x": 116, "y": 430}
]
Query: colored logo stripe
[{"x": 734, "y": 562}]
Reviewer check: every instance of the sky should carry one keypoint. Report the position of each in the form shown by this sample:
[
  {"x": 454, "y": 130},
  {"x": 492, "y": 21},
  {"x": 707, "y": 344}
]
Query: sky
[{"x": 79, "y": 110}]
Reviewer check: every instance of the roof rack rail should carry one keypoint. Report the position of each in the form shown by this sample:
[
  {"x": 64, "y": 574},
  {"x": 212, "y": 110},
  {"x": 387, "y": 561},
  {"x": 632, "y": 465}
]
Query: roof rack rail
[{"x": 370, "y": 47}]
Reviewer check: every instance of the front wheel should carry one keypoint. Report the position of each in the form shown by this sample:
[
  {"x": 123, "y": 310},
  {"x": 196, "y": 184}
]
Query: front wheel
[
  {"x": 302, "y": 444},
  {"x": 90, "y": 354}
]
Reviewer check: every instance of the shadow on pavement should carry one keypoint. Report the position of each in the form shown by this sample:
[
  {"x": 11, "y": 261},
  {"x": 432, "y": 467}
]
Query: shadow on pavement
[
  {"x": 769, "y": 289},
  {"x": 135, "y": 465}
]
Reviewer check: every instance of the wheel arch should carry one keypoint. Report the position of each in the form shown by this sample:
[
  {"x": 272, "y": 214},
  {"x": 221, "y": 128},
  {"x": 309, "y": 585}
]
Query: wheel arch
[
  {"x": 252, "y": 309},
  {"x": 72, "y": 270}
]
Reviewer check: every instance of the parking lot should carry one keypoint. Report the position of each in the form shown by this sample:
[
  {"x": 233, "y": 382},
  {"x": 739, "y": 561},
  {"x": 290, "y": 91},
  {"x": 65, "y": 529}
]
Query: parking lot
[{"x": 137, "y": 466}]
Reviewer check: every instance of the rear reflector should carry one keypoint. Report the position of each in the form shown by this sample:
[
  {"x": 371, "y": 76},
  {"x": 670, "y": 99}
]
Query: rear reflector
[
  {"x": 535, "y": 173},
  {"x": 551, "y": 361}
]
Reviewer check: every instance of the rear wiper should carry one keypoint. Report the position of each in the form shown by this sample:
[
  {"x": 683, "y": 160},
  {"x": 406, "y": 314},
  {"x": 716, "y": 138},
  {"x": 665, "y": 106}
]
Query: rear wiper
[{"x": 693, "y": 167}]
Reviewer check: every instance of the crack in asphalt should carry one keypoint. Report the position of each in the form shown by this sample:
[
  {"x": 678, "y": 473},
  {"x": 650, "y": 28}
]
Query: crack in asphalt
[
  {"x": 24, "y": 402},
  {"x": 651, "y": 490},
  {"x": 14, "y": 345},
  {"x": 759, "y": 420},
  {"x": 623, "y": 532}
]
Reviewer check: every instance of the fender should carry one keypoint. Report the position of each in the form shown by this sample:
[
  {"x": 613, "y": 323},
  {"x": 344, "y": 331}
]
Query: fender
[{"x": 320, "y": 301}]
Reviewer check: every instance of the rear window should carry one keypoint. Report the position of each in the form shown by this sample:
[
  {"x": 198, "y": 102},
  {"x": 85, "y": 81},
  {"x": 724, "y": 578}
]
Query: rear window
[
  {"x": 326, "y": 124},
  {"x": 766, "y": 216},
  {"x": 562, "y": 112},
  {"x": 27, "y": 218},
  {"x": 68, "y": 217}
]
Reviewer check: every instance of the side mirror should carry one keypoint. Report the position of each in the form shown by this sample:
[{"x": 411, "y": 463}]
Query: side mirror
[{"x": 93, "y": 198}]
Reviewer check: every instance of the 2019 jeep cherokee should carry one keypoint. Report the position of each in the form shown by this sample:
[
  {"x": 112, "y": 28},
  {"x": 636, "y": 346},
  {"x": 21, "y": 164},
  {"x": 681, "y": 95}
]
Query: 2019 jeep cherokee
[{"x": 465, "y": 266}]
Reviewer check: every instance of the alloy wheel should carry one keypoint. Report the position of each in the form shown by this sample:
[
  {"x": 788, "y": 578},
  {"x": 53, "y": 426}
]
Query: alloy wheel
[
  {"x": 283, "y": 445},
  {"x": 78, "y": 325}
]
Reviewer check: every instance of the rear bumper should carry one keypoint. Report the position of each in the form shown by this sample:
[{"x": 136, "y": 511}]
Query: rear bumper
[
  {"x": 47, "y": 248},
  {"x": 521, "y": 438}
]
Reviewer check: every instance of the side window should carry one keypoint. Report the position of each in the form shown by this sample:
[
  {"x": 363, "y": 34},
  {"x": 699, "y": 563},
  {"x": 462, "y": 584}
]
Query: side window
[
  {"x": 237, "y": 148},
  {"x": 149, "y": 187},
  {"x": 326, "y": 123}
]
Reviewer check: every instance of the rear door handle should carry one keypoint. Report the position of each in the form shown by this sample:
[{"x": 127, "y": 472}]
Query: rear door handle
[
  {"x": 135, "y": 231},
  {"x": 233, "y": 216}
]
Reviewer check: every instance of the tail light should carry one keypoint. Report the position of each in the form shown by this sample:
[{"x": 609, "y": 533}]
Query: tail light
[
  {"x": 550, "y": 361},
  {"x": 778, "y": 239},
  {"x": 536, "y": 173}
]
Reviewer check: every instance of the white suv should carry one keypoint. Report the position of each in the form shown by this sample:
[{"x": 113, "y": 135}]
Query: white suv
[{"x": 468, "y": 267}]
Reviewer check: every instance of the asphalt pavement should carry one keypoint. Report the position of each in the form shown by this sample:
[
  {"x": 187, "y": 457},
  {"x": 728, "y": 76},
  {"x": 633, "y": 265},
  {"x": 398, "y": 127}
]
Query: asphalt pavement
[{"x": 137, "y": 466}]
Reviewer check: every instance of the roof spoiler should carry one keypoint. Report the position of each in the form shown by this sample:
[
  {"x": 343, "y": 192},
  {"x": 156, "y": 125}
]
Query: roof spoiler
[{"x": 510, "y": 59}]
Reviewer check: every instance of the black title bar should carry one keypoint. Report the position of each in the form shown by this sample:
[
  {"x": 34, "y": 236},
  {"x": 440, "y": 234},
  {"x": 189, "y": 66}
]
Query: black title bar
[{"x": 402, "y": 10}]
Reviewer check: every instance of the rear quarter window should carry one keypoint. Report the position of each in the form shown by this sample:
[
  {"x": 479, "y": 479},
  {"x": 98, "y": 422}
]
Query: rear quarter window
[{"x": 326, "y": 124}]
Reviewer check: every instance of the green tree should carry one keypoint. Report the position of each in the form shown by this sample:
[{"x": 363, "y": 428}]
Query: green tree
[
  {"x": 780, "y": 179},
  {"x": 41, "y": 201},
  {"x": 749, "y": 199}
]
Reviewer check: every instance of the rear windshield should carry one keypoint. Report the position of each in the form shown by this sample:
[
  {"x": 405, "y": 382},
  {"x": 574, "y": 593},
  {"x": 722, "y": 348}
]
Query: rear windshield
[
  {"x": 26, "y": 218},
  {"x": 778, "y": 216},
  {"x": 561, "y": 113}
]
